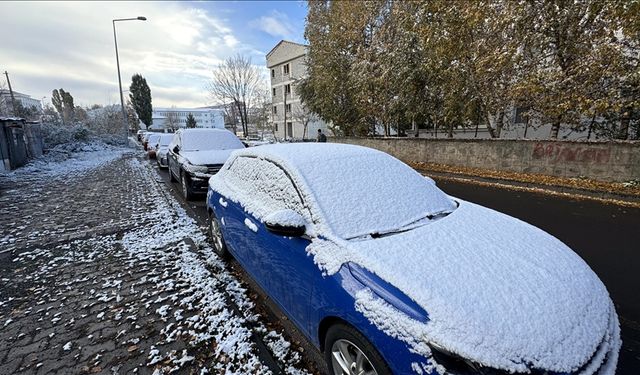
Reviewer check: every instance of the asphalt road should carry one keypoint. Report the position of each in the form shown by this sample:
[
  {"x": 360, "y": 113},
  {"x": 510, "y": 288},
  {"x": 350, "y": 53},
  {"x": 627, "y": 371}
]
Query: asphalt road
[{"x": 605, "y": 236}]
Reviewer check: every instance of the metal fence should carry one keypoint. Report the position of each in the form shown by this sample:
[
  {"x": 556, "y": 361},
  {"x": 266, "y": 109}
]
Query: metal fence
[{"x": 19, "y": 142}]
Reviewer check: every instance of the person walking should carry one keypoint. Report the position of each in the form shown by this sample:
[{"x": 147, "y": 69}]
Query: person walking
[{"x": 321, "y": 136}]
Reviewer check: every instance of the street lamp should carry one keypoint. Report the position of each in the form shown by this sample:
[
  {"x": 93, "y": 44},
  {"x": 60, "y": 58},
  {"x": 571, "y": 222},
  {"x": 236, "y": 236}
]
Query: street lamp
[{"x": 115, "y": 40}]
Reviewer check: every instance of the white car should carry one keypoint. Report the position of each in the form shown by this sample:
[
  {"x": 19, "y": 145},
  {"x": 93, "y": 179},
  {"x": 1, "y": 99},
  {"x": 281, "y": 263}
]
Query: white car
[
  {"x": 152, "y": 142},
  {"x": 162, "y": 149},
  {"x": 197, "y": 154}
]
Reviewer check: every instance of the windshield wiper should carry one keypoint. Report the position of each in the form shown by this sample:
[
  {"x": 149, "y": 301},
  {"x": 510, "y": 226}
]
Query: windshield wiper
[{"x": 405, "y": 228}]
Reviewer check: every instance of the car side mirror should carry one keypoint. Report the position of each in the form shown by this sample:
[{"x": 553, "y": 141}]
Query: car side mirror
[
  {"x": 176, "y": 149},
  {"x": 286, "y": 223}
]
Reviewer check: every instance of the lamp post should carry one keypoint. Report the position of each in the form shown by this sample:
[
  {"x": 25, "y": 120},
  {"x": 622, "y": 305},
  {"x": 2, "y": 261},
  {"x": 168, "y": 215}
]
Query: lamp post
[{"x": 115, "y": 40}]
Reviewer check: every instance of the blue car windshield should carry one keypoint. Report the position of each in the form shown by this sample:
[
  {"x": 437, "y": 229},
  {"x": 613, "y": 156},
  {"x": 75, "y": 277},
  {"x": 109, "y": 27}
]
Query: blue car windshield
[{"x": 372, "y": 193}]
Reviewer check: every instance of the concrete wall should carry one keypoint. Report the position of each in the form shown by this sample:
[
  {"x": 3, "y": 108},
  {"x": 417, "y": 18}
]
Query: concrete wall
[{"x": 607, "y": 161}]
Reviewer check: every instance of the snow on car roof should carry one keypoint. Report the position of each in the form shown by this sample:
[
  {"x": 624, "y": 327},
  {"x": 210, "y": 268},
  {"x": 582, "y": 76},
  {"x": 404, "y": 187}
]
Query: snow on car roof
[
  {"x": 209, "y": 139},
  {"x": 358, "y": 190}
]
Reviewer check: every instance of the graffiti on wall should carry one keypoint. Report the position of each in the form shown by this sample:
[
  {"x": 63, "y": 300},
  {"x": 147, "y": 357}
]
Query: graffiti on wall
[{"x": 571, "y": 152}]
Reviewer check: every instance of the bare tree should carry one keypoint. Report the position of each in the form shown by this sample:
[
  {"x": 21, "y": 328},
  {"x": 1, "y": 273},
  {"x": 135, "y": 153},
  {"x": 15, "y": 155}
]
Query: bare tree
[
  {"x": 230, "y": 117},
  {"x": 261, "y": 110},
  {"x": 171, "y": 121},
  {"x": 303, "y": 115},
  {"x": 236, "y": 80}
]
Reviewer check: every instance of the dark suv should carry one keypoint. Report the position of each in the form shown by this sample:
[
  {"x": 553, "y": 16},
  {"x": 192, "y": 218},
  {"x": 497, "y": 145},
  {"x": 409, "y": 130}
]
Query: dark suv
[{"x": 197, "y": 154}]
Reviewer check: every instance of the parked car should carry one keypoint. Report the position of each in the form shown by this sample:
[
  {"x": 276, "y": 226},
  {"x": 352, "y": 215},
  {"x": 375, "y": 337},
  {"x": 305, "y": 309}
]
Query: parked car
[
  {"x": 385, "y": 273},
  {"x": 145, "y": 139},
  {"x": 139, "y": 134},
  {"x": 163, "y": 149},
  {"x": 197, "y": 154},
  {"x": 152, "y": 142}
]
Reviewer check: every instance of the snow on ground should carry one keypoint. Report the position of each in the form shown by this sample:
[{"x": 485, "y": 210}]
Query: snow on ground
[
  {"x": 66, "y": 161},
  {"x": 161, "y": 287}
]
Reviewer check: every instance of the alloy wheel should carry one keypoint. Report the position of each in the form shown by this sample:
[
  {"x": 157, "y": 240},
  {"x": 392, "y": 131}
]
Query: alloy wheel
[
  {"x": 348, "y": 359},
  {"x": 216, "y": 235}
]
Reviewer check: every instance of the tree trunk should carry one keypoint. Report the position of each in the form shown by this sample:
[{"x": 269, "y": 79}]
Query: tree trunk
[
  {"x": 487, "y": 118},
  {"x": 555, "y": 129},
  {"x": 450, "y": 132},
  {"x": 593, "y": 119},
  {"x": 624, "y": 125},
  {"x": 499, "y": 123}
]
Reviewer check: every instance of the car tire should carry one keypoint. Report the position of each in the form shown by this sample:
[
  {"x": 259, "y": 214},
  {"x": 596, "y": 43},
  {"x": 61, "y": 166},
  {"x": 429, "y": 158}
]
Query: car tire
[
  {"x": 215, "y": 234},
  {"x": 172, "y": 178},
  {"x": 342, "y": 348},
  {"x": 187, "y": 192}
]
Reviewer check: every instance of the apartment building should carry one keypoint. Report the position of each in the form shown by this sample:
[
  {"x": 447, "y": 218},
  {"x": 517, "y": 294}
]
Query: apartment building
[{"x": 286, "y": 63}]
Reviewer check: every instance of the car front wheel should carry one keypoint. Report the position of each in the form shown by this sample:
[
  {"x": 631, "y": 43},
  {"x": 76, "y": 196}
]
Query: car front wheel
[
  {"x": 348, "y": 352},
  {"x": 171, "y": 176},
  {"x": 215, "y": 233},
  {"x": 187, "y": 192}
]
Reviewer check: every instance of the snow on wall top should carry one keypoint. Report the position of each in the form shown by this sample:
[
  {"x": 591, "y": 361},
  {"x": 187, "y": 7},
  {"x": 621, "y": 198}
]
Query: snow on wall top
[{"x": 357, "y": 190}]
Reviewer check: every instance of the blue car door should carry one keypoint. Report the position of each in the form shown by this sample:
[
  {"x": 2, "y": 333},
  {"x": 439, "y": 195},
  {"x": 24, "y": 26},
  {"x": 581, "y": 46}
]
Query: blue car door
[{"x": 279, "y": 264}]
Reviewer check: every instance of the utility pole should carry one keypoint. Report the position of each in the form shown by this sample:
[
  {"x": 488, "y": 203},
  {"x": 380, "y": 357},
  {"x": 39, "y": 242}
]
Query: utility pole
[
  {"x": 13, "y": 99},
  {"x": 115, "y": 41}
]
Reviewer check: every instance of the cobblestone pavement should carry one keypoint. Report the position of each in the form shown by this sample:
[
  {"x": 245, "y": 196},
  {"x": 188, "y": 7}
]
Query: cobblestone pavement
[{"x": 101, "y": 271}]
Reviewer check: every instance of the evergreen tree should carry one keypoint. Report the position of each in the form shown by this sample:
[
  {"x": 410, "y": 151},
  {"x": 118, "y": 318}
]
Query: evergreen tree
[
  {"x": 191, "y": 121},
  {"x": 140, "y": 96},
  {"x": 63, "y": 103}
]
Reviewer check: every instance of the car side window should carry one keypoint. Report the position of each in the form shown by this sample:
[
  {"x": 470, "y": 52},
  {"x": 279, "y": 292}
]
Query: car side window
[{"x": 264, "y": 184}]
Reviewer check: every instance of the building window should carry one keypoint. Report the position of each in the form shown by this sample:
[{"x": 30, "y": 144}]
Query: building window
[
  {"x": 288, "y": 109},
  {"x": 286, "y": 69},
  {"x": 287, "y": 89},
  {"x": 276, "y": 124},
  {"x": 275, "y": 110},
  {"x": 290, "y": 129},
  {"x": 273, "y": 73},
  {"x": 274, "y": 91}
]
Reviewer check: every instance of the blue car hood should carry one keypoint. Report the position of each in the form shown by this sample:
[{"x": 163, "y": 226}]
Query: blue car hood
[{"x": 497, "y": 290}]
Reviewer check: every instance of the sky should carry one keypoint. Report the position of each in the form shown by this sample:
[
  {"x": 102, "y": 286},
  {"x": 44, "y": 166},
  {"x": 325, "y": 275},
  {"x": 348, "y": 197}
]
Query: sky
[{"x": 70, "y": 45}]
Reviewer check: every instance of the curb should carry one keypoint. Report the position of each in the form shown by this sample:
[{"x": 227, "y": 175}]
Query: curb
[{"x": 604, "y": 197}]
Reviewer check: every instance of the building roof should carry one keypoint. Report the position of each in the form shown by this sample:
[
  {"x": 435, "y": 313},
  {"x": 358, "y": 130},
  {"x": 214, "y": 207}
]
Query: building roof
[
  {"x": 280, "y": 44},
  {"x": 15, "y": 93}
]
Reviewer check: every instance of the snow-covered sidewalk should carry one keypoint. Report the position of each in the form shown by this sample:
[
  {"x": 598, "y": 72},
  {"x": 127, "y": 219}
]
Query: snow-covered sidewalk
[{"x": 102, "y": 271}]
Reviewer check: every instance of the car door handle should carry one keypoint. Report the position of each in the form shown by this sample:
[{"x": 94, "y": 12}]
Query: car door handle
[{"x": 251, "y": 225}]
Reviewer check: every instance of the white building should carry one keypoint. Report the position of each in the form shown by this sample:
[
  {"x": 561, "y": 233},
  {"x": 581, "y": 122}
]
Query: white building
[
  {"x": 174, "y": 118},
  {"x": 287, "y": 65},
  {"x": 26, "y": 100}
]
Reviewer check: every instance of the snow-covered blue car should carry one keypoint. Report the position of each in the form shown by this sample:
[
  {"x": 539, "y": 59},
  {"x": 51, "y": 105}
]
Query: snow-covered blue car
[{"x": 385, "y": 273}]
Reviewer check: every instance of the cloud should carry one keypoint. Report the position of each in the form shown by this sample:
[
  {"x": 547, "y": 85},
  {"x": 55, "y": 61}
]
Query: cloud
[
  {"x": 276, "y": 24},
  {"x": 70, "y": 45}
]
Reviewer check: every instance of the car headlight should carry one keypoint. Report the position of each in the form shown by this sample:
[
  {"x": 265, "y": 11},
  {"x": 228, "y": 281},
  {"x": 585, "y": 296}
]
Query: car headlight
[
  {"x": 456, "y": 365},
  {"x": 195, "y": 168},
  {"x": 388, "y": 293}
]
